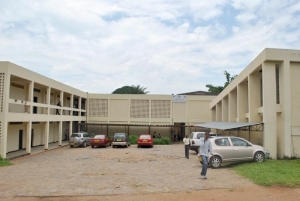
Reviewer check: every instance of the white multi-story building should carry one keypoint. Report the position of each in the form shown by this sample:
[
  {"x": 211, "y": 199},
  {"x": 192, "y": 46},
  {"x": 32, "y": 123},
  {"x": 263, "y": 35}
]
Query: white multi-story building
[
  {"x": 28, "y": 115},
  {"x": 266, "y": 91}
]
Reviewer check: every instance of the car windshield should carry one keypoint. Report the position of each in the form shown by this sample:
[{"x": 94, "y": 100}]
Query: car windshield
[
  {"x": 145, "y": 137},
  {"x": 100, "y": 136},
  {"x": 75, "y": 135}
]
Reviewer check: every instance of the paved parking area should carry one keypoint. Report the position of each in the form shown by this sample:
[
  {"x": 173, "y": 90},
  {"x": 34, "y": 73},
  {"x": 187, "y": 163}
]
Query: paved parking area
[{"x": 106, "y": 171}]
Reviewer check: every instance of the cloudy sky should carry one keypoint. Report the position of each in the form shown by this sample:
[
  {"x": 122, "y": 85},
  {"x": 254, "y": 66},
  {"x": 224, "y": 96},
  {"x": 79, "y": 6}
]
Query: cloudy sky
[{"x": 168, "y": 46}]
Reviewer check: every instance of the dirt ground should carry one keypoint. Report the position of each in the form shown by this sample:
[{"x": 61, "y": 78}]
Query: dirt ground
[{"x": 161, "y": 173}]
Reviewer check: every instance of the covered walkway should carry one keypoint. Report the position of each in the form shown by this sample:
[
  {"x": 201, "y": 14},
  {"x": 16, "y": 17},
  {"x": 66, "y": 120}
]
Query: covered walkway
[{"x": 35, "y": 150}]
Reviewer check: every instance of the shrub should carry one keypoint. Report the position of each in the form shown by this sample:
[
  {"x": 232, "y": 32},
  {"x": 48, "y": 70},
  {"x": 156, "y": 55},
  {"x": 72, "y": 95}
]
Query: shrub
[
  {"x": 161, "y": 141},
  {"x": 133, "y": 139}
]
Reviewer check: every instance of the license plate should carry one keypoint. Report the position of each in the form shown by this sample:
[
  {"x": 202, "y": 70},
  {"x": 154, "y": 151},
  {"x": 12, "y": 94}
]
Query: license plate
[
  {"x": 72, "y": 143},
  {"x": 96, "y": 140},
  {"x": 144, "y": 140},
  {"x": 119, "y": 139}
]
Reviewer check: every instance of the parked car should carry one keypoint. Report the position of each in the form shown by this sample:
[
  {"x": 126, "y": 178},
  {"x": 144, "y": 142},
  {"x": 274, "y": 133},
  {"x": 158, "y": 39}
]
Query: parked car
[
  {"x": 80, "y": 139},
  {"x": 100, "y": 141},
  {"x": 145, "y": 140},
  {"x": 195, "y": 139},
  {"x": 120, "y": 139},
  {"x": 235, "y": 149}
]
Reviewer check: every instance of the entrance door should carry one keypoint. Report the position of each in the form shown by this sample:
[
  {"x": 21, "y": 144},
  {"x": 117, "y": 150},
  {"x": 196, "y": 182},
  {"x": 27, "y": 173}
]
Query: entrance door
[
  {"x": 32, "y": 137},
  {"x": 35, "y": 100},
  {"x": 20, "y": 139}
]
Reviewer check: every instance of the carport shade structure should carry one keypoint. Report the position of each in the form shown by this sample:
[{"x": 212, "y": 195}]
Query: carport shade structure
[{"x": 227, "y": 125}]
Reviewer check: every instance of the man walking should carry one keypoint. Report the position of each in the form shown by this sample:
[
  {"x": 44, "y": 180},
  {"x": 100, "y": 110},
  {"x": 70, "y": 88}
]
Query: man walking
[
  {"x": 204, "y": 150},
  {"x": 186, "y": 142}
]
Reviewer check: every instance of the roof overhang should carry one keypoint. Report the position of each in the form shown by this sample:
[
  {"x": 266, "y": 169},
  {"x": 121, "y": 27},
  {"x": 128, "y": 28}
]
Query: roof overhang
[{"x": 227, "y": 125}]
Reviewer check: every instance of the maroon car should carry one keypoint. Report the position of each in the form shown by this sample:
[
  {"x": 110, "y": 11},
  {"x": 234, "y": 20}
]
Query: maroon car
[
  {"x": 145, "y": 140},
  {"x": 100, "y": 141}
]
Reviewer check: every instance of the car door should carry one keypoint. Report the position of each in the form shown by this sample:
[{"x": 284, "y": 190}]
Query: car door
[
  {"x": 222, "y": 147},
  {"x": 241, "y": 149}
]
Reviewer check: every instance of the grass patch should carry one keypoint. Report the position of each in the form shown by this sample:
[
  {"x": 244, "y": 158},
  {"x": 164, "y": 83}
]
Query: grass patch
[
  {"x": 271, "y": 172},
  {"x": 161, "y": 141},
  {"x": 4, "y": 162}
]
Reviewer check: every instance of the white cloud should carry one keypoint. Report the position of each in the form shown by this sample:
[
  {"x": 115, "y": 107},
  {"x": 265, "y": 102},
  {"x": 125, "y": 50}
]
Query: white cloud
[{"x": 166, "y": 46}]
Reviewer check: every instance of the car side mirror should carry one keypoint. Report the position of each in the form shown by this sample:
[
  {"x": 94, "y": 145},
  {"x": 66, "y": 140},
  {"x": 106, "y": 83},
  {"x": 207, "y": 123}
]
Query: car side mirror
[{"x": 249, "y": 145}]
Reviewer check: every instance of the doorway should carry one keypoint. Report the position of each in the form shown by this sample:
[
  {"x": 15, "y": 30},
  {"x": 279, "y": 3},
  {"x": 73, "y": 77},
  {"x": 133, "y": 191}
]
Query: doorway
[
  {"x": 32, "y": 138},
  {"x": 35, "y": 100},
  {"x": 20, "y": 139}
]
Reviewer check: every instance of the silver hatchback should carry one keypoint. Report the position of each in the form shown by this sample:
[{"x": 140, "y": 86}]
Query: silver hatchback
[
  {"x": 80, "y": 139},
  {"x": 234, "y": 149}
]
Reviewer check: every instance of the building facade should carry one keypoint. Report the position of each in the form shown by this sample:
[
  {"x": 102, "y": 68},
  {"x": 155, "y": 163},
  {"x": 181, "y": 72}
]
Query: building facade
[
  {"x": 30, "y": 115},
  {"x": 266, "y": 91},
  {"x": 29, "y": 112}
]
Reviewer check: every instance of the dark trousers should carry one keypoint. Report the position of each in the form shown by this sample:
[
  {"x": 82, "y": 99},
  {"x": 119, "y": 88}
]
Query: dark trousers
[{"x": 186, "y": 150}]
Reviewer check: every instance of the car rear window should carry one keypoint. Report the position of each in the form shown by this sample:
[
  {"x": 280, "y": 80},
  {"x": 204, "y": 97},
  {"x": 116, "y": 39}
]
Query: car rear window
[
  {"x": 145, "y": 137},
  {"x": 75, "y": 135},
  {"x": 100, "y": 136},
  {"x": 119, "y": 135}
]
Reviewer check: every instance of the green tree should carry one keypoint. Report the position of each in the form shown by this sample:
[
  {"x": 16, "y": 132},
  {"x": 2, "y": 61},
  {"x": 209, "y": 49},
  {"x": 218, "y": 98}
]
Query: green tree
[
  {"x": 131, "y": 90},
  {"x": 219, "y": 89}
]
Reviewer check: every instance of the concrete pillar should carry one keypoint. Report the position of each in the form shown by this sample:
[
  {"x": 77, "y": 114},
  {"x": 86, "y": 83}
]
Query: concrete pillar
[
  {"x": 285, "y": 90},
  {"x": 30, "y": 97},
  {"x": 61, "y": 98},
  {"x": 3, "y": 139},
  {"x": 28, "y": 137},
  {"x": 225, "y": 109},
  {"x": 242, "y": 102},
  {"x": 269, "y": 108},
  {"x": 254, "y": 96},
  {"x": 60, "y": 133},
  {"x": 232, "y": 109},
  {"x": 4, "y": 109},
  {"x": 48, "y": 99},
  {"x": 46, "y": 138},
  {"x": 71, "y": 104},
  {"x": 79, "y": 106},
  {"x": 219, "y": 111},
  {"x": 70, "y": 128}
]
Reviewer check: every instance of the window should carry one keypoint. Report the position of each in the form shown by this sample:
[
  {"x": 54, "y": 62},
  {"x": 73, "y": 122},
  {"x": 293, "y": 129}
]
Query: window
[
  {"x": 238, "y": 142},
  {"x": 277, "y": 84},
  {"x": 222, "y": 142},
  {"x": 200, "y": 135}
]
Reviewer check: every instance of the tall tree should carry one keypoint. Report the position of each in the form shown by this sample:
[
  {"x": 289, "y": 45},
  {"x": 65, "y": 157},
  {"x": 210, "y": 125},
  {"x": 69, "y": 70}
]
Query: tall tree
[
  {"x": 131, "y": 90},
  {"x": 219, "y": 89}
]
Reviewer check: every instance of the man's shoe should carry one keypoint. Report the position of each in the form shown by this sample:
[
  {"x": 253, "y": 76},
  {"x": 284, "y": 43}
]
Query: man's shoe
[{"x": 202, "y": 177}]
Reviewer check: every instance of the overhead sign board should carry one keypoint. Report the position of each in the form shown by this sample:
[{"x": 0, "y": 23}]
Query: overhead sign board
[{"x": 178, "y": 98}]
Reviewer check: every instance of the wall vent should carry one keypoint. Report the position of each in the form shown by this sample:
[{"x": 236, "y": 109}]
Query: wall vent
[{"x": 139, "y": 108}]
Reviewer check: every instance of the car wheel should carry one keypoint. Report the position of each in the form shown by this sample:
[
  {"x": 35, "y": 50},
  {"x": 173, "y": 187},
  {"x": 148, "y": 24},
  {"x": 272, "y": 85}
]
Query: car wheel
[
  {"x": 126, "y": 146},
  {"x": 215, "y": 162},
  {"x": 92, "y": 146},
  {"x": 71, "y": 146},
  {"x": 106, "y": 145},
  {"x": 84, "y": 144},
  {"x": 151, "y": 146},
  {"x": 259, "y": 157},
  {"x": 139, "y": 146},
  {"x": 113, "y": 146}
]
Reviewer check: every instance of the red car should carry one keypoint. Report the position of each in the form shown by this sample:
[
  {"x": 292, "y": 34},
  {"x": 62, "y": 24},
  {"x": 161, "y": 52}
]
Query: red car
[
  {"x": 145, "y": 140},
  {"x": 100, "y": 140}
]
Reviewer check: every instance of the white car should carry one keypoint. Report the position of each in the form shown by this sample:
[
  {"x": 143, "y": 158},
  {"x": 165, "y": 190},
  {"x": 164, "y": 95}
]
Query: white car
[{"x": 195, "y": 139}]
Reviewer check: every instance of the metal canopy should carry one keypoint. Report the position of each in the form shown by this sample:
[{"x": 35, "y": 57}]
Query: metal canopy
[{"x": 227, "y": 125}]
